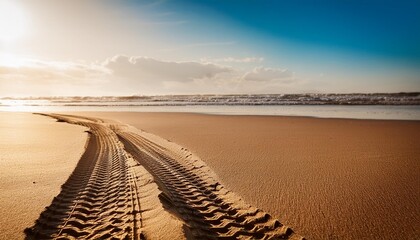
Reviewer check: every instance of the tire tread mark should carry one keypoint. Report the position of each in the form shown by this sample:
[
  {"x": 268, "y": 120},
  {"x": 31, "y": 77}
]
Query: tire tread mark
[
  {"x": 97, "y": 200},
  {"x": 199, "y": 199}
]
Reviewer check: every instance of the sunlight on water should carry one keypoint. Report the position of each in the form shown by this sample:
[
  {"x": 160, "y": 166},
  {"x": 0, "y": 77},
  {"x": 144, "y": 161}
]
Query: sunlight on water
[{"x": 402, "y": 112}]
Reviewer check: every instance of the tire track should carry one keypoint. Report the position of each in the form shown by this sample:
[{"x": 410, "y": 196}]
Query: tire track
[
  {"x": 101, "y": 200},
  {"x": 200, "y": 200}
]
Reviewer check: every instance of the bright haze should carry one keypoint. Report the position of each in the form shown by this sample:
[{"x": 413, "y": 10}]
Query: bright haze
[{"x": 95, "y": 48}]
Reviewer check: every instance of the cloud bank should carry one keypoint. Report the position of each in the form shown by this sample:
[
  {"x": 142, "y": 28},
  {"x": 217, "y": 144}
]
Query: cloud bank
[
  {"x": 262, "y": 74},
  {"x": 122, "y": 75},
  {"x": 235, "y": 60},
  {"x": 149, "y": 69},
  {"x": 33, "y": 77}
]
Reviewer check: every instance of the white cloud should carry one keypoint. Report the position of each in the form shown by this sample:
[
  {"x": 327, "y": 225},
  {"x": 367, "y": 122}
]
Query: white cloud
[
  {"x": 122, "y": 75},
  {"x": 51, "y": 72},
  {"x": 235, "y": 60},
  {"x": 244, "y": 60},
  {"x": 33, "y": 77},
  {"x": 142, "y": 69},
  {"x": 262, "y": 74},
  {"x": 115, "y": 76}
]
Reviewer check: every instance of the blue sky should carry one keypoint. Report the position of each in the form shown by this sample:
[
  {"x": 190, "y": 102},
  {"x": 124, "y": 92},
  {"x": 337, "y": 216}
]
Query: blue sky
[
  {"x": 389, "y": 29},
  {"x": 381, "y": 28},
  {"x": 231, "y": 46}
]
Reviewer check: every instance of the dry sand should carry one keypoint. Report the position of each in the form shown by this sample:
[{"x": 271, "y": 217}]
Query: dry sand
[
  {"x": 326, "y": 178},
  {"x": 37, "y": 155}
]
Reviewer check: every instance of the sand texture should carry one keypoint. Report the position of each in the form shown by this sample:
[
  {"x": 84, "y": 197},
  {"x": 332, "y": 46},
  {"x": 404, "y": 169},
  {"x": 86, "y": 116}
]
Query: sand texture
[
  {"x": 326, "y": 178},
  {"x": 130, "y": 184},
  {"x": 34, "y": 162}
]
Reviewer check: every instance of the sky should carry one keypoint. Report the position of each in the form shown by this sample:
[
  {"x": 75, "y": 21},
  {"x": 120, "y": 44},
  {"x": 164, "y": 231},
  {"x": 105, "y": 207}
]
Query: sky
[{"x": 153, "y": 47}]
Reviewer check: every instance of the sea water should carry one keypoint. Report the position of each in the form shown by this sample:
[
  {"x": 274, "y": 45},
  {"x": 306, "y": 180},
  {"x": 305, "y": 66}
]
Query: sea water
[{"x": 395, "y": 112}]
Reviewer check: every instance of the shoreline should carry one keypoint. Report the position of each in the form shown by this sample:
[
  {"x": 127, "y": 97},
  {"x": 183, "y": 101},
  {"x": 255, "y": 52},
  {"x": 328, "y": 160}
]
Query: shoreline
[
  {"x": 345, "y": 112},
  {"x": 231, "y": 115}
]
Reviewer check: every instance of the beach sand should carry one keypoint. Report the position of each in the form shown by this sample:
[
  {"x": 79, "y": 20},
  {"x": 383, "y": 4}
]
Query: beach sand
[
  {"x": 130, "y": 184},
  {"x": 177, "y": 175},
  {"x": 37, "y": 156},
  {"x": 326, "y": 178}
]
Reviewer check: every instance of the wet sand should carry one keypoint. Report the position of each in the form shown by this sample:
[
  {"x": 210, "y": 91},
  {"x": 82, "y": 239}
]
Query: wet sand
[
  {"x": 130, "y": 184},
  {"x": 326, "y": 178},
  {"x": 323, "y": 178},
  {"x": 37, "y": 156}
]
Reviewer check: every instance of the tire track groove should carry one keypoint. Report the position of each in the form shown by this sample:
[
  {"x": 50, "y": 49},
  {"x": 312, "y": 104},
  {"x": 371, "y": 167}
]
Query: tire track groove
[
  {"x": 199, "y": 199},
  {"x": 97, "y": 200},
  {"x": 101, "y": 200}
]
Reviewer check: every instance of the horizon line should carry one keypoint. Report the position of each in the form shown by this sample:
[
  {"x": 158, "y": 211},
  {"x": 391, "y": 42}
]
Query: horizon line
[{"x": 210, "y": 94}]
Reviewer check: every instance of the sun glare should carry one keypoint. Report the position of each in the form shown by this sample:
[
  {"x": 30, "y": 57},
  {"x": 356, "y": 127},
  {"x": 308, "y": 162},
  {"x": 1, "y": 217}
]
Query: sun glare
[
  {"x": 12, "y": 21},
  {"x": 10, "y": 60}
]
